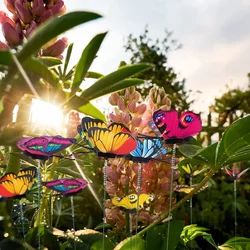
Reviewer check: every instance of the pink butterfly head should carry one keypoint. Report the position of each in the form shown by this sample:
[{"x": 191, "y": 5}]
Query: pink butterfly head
[{"x": 175, "y": 128}]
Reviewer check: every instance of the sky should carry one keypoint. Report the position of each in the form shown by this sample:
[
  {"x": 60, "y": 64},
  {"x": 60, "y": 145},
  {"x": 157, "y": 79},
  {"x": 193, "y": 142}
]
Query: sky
[{"x": 215, "y": 35}]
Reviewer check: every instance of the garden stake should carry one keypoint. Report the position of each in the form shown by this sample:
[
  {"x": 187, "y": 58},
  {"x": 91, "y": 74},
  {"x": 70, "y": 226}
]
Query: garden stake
[
  {"x": 130, "y": 229},
  {"x": 73, "y": 220},
  {"x": 22, "y": 218},
  {"x": 39, "y": 199},
  {"x": 191, "y": 200},
  {"x": 104, "y": 198},
  {"x": 138, "y": 194},
  {"x": 171, "y": 190}
]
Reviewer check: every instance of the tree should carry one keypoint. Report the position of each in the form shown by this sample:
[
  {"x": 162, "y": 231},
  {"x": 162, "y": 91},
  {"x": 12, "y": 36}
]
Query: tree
[{"x": 144, "y": 49}]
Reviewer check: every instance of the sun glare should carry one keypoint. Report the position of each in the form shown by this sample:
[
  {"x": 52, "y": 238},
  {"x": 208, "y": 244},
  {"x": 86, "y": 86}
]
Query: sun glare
[{"x": 46, "y": 115}]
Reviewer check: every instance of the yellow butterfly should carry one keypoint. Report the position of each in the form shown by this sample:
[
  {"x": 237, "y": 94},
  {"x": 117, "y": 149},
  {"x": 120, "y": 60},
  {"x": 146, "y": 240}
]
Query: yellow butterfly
[{"x": 129, "y": 203}]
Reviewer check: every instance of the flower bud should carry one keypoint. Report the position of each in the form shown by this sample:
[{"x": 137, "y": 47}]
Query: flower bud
[
  {"x": 121, "y": 104},
  {"x": 47, "y": 15},
  {"x": 58, "y": 8},
  {"x": 10, "y": 34},
  {"x": 23, "y": 12},
  {"x": 5, "y": 19},
  {"x": 165, "y": 107},
  {"x": 137, "y": 96},
  {"x": 111, "y": 188},
  {"x": 112, "y": 174},
  {"x": 125, "y": 118},
  {"x": 124, "y": 180},
  {"x": 141, "y": 108},
  {"x": 132, "y": 106},
  {"x": 115, "y": 118},
  {"x": 136, "y": 122},
  {"x": 38, "y": 8},
  {"x": 127, "y": 94},
  {"x": 57, "y": 48},
  {"x": 3, "y": 46},
  {"x": 10, "y": 5},
  {"x": 112, "y": 100},
  {"x": 31, "y": 28}
]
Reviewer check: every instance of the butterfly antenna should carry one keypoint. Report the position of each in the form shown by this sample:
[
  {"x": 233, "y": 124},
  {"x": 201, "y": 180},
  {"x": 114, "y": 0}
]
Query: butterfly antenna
[
  {"x": 171, "y": 189},
  {"x": 73, "y": 220},
  {"x": 104, "y": 199},
  {"x": 38, "y": 201}
]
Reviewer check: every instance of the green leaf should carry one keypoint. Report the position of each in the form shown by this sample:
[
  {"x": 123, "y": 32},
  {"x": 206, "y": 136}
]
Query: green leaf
[
  {"x": 91, "y": 110},
  {"x": 209, "y": 238},
  {"x": 34, "y": 66},
  {"x": 13, "y": 164},
  {"x": 235, "y": 143},
  {"x": 176, "y": 227},
  {"x": 157, "y": 236},
  {"x": 68, "y": 55},
  {"x": 237, "y": 243},
  {"x": 68, "y": 171},
  {"x": 87, "y": 57},
  {"x": 94, "y": 75},
  {"x": 52, "y": 29},
  {"x": 49, "y": 61},
  {"x": 137, "y": 243},
  {"x": 5, "y": 57},
  {"x": 115, "y": 81}
]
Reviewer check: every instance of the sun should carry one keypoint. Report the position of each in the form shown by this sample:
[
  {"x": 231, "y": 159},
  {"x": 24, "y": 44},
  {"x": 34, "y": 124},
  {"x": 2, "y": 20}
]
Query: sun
[{"x": 46, "y": 115}]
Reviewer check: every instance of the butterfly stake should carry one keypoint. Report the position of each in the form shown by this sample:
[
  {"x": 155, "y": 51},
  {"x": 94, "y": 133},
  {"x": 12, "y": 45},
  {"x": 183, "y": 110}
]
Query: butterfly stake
[
  {"x": 42, "y": 148},
  {"x": 110, "y": 141},
  {"x": 68, "y": 187},
  {"x": 175, "y": 129},
  {"x": 190, "y": 173},
  {"x": 131, "y": 204},
  {"x": 14, "y": 186},
  {"x": 149, "y": 149},
  {"x": 235, "y": 177}
]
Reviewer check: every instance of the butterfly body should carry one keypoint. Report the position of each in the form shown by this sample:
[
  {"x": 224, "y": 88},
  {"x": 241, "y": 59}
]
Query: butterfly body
[
  {"x": 44, "y": 147},
  {"x": 66, "y": 187},
  {"x": 129, "y": 203},
  {"x": 175, "y": 128},
  {"x": 147, "y": 150}
]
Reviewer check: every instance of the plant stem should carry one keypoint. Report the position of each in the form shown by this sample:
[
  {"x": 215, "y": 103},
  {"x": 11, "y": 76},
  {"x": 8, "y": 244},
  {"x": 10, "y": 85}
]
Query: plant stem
[{"x": 178, "y": 204}]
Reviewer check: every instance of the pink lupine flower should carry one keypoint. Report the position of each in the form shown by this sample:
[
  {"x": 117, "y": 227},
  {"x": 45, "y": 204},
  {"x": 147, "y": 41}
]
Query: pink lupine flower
[
  {"x": 125, "y": 118},
  {"x": 58, "y": 8},
  {"x": 23, "y": 12},
  {"x": 10, "y": 34},
  {"x": 57, "y": 48},
  {"x": 111, "y": 188},
  {"x": 132, "y": 106},
  {"x": 38, "y": 8},
  {"x": 3, "y": 46},
  {"x": 31, "y": 28},
  {"x": 4, "y": 18},
  {"x": 113, "y": 175},
  {"x": 141, "y": 109},
  {"x": 121, "y": 104},
  {"x": 136, "y": 122},
  {"x": 10, "y": 4},
  {"x": 46, "y": 16}
]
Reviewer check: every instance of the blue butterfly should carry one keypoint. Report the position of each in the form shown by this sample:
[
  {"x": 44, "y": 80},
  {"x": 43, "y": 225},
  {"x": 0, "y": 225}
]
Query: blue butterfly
[{"x": 147, "y": 150}]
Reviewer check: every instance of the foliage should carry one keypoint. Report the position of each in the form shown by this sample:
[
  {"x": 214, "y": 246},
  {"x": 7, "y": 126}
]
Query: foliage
[{"x": 142, "y": 50}]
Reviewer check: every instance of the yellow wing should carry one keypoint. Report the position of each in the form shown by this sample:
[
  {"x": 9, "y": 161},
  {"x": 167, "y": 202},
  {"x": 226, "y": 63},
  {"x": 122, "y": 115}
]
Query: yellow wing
[
  {"x": 129, "y": 202},
  {"x": 28, "y": 171},
  {"x": 8, "y": 176}
]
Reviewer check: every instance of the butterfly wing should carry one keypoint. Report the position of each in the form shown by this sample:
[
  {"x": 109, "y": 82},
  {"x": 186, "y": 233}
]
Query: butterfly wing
[
  {"x": 118, "y": 127},
  {"x": 187, "y": 168},
  {"x": 241, "y": 173},
  {"x": 228, "y": 170},
  {"x": 129, "y": 203},
  {"x": 105, "y": 141},
  {"x": 8, "y": 176},
  {"x": 58, "y": 143},
  {"x": 20, "y": 144},
  {"x": 138, "y": 151},
  {"x": 183, "y": 189},
  {"x": 152, "y": 147},
  {"x": 32, "y": 171},
  {"x": 88, "y": 122}
]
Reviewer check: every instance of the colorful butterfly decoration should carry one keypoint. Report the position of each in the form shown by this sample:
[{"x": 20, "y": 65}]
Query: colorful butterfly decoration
[
  {"x": 44, "y": 147},
  {"x": 233, "y": 175},
  {"x": 129, "y": 203},
  {"x": 108, "y": 141},
  {"x": 187, "y": 189},
  {"x": 65, "y": 186},
  {"x": 147, "y": 150},
  {"x": 191, "y": 172},
  {"x": 16, "y": 186},
  {"x": 175, "y": 128}
]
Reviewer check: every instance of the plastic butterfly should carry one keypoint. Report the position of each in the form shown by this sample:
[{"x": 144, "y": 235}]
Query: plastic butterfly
[
  {"x": 66, "y": 187},
  {"x": 233, "y": 175},
  {"x": 44, "y": 147},
  {"x": 114, "y": 140},
  {"x": 129, "y": 203},
  {"x": 175, "y": 128},
  {"x": 187, "y": 189},
  {"x": 16, "y": 186},
  {"x": 191, "y": 172},
  {"x": 147, "y": 150}
]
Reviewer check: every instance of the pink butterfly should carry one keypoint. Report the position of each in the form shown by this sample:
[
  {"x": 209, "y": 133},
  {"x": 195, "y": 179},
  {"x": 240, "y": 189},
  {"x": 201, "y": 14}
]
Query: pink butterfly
[{"x": 234, "y": 175}]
